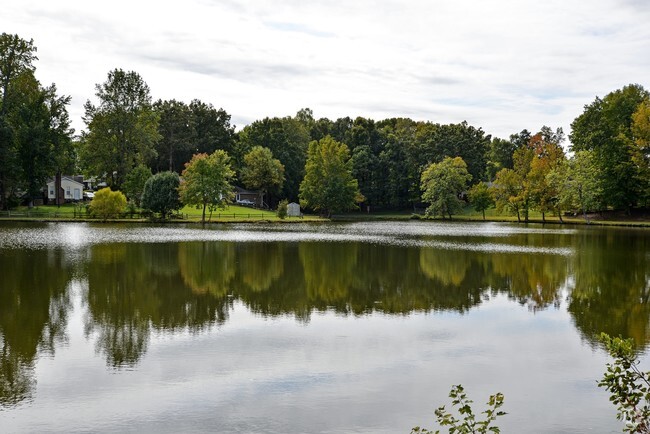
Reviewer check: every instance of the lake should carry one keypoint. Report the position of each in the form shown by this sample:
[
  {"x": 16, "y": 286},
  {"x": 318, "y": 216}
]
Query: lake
[{"x": 332, "y": 328}]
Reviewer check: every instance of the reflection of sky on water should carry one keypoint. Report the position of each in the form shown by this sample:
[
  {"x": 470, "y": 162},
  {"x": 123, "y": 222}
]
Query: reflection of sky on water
[{"x": 371, "y": 373}]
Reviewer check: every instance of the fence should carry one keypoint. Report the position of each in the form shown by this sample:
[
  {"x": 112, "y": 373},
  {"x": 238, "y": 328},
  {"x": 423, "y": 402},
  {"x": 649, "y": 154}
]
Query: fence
[{"x": 82, "y": 214}]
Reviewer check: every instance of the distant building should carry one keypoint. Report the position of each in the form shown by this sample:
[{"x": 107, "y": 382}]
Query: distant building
[
  {"x": 248, "y": 197},
  {"x": 293, "y": 210},
  {"x": 70, "y": 189}
]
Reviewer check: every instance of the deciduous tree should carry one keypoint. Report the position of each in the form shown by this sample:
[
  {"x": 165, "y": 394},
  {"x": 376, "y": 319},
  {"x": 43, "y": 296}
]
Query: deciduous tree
[
  {"x": 122, "y": 129},
  {"x": 480, "y": 198},
  {"x": 16, "y": 58},
  {"x": 177, "y": 134},
  {"x": 262, "y": 172},
  {"x": 329, "y": 186},
  {"x": 135, "y": 181},
  {"x": 507, "y": 192},
  {"x": 442, "y": 184},
  {"x": 605, "y": 127},
  {"x": 206, "y": 181}
]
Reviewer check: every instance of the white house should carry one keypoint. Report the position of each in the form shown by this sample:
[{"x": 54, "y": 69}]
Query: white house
[
  {"x": 293, "y": 210},
  {"x": 70, "y": 189}
]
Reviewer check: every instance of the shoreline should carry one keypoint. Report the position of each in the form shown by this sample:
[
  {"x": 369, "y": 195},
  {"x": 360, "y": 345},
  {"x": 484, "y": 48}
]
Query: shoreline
[{"x": 338, "y": 219}]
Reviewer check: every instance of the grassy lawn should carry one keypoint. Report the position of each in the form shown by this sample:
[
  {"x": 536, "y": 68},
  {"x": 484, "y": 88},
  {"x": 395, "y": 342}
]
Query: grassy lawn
[
  {"x": 233, "y": 213},
  {"x": 236, "y": 213},
  {"x": 469, "y": 214}
]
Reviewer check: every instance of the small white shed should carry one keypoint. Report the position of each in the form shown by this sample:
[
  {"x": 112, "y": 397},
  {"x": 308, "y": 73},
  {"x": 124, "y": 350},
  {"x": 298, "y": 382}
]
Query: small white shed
[{"x": 293, "y": 210}]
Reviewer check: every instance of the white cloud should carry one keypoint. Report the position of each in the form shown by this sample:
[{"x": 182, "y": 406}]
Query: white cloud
[{"x": 501, "y": 65}]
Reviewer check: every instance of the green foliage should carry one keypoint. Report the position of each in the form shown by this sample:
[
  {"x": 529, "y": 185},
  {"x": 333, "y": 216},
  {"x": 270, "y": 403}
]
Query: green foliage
[
  {"x": 282, "y": 209},
  {"x": 262, "y": 172},
  {"x": 35, "y": 134},
  {"x": 507, "y": 192},
  {"x": 606, "y": 128},
  {"x": 160, "y": 194},
  {"x": 629, "y": 386},
  {"x": 135, "y": 181},
  {"x": 442, "y": 183},
  {"x": 206, "y": 181},
  {"x": 188, "y": 129},
  {"x": 467, "y": 423},
  {"x": 177, "y": 134},
  {"x": 287, "y": 138},
  {"x": 480, "y": 198},
  {"x": 107, "y": 203},
  {"x": 122, "y": 129},
  {"x": 329, "y": 186}
]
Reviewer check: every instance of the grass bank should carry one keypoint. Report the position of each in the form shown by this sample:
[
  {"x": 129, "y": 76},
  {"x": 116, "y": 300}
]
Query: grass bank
[
  {"x": 68, "y": 212},
  {"x": 609, "y": 218}
]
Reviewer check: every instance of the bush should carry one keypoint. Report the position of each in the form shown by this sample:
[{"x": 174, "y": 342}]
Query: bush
[
  {"x": 161, "y": 194},
  {"x": 107, "y": 203},
  {"x": 282, "y": 209}
]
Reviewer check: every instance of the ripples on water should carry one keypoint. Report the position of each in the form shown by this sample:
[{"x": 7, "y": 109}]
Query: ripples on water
[{"x": 457, "y": 236}]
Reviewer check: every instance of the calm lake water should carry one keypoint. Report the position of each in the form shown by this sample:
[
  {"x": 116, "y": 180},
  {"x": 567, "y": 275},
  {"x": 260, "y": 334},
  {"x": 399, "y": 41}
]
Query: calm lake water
[{"x": 331, "y": 328}]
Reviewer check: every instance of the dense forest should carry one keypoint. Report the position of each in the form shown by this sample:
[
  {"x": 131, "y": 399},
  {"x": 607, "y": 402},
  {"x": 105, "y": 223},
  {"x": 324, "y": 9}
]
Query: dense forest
[{"x": 395, "y": 163}]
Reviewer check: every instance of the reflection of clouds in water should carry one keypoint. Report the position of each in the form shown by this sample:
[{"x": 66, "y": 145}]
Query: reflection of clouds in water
[
  {"x": 77, "y": 235},
  {"x": 497, "y": 248}
]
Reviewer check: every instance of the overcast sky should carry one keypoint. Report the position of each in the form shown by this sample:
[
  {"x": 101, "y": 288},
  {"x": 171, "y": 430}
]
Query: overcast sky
[{"x": 501, "y": 65}]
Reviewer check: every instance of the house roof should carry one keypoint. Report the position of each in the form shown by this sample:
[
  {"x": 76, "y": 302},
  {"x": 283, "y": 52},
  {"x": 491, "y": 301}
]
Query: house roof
[
  {"x": 67, "y": 178},
  {"x": 244, "y": 191}
]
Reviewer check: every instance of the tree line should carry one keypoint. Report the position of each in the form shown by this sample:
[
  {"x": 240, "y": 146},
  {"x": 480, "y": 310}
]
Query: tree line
[{"x": 329, "y": 165}]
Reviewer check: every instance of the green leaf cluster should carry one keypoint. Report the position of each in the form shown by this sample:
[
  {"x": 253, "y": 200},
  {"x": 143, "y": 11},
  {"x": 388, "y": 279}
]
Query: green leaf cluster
[
  {"x": 466, "y": 423},
  {"x": 628, "y": 385}
]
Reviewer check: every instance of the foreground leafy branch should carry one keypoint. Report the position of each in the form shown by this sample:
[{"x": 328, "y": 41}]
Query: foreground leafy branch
[
  {"x": 467, "y": 424},
  {"x": 628, "y": 385}
]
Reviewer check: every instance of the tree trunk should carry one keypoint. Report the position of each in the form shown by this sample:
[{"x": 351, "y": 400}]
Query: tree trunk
[
  {"x": 543, "y": 217},
  {"x": 559, "y": 214},
  {"x": 203, "y": 216},
  {"x": 518, "y": 216},
  {"x": 483, "y": 215}
]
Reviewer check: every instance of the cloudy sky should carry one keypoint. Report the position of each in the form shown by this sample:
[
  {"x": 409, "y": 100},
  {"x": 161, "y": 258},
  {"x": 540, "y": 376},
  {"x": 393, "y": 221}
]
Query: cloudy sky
[{"x": 502, "y": 65}]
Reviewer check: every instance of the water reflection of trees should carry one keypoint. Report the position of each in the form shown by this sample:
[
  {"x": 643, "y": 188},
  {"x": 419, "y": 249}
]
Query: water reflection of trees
[
  {"x": 134, "y": 288},
  {"x": 611, "y": 292},
  {"x": 34, "y": 306}
]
